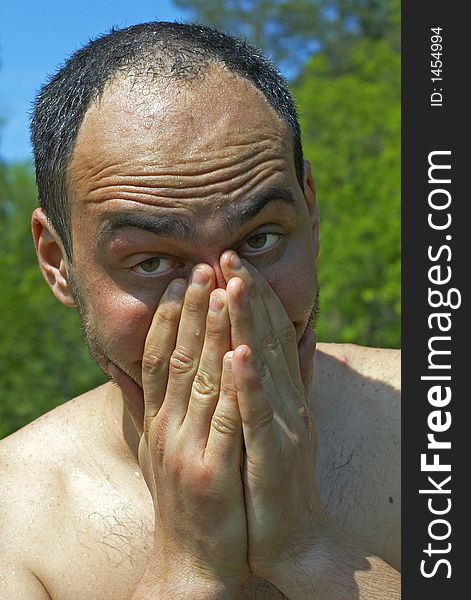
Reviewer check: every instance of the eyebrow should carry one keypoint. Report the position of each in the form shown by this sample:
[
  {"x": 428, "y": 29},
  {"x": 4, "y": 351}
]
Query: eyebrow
[{"x": 233, "y": 218}]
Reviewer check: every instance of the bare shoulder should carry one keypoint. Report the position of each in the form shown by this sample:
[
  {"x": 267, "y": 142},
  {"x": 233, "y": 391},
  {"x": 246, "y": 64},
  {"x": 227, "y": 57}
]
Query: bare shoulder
[
  {"x": 35, "y": 459},
  {"x": 356, "y": 405},
  {"x": 28, "y": 490},
  {"x": 365, "y": 382},
  {"x": 378, "y": 364},
  {"x": 53, "y": 438},
  {"x": 35, "y": 464},
  {"x": 72, "y": 502}
]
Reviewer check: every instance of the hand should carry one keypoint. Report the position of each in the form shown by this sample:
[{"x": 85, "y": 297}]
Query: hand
[
  {"x": 272, "y": 375},
  {"x": 191, "y": 439}
]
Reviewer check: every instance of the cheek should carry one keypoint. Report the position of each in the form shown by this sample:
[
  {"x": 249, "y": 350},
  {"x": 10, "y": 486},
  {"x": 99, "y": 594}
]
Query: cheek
[
  {"x": 122, "y": 323},
  {"x": 294, "y": 281}
]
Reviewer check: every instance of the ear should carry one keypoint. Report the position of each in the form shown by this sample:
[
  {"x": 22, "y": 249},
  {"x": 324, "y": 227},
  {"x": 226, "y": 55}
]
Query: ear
[
  {"x": 311, "y": 202},
  {"x": 52, "y": 257}
]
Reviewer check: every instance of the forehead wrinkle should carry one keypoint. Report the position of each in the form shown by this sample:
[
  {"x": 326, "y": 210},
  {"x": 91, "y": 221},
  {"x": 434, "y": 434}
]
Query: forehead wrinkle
[
  {"x": 240, "y": 213},
  {"x": 197, "y": 176},
  {"x": 179, "y": 188},
  {"x": 232, "y": 216}
]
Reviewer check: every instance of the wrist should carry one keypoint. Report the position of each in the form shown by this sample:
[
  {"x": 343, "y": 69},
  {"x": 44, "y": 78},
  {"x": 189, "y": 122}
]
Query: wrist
[
  {"x": 186, "y": 588},
  {"x": 303, "y": 569},
  {"x": 332, "y": 567},
  {"x": 189, "y": 582}
]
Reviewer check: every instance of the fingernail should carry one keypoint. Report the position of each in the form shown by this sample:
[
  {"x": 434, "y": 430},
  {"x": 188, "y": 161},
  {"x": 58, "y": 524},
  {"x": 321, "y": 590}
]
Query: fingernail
[
  {"x": 235, "y": 262},
  {"x": 228, "y": 361},
  {"x": 215, "y": 303},
  {"x": 176, "y": 290},
  {"x": 200, "y": 277}
]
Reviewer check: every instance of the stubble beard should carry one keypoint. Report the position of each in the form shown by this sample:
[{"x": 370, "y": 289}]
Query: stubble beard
[
  {"x": 314, "y": 315},
  {"x": 98, "y": 350}
]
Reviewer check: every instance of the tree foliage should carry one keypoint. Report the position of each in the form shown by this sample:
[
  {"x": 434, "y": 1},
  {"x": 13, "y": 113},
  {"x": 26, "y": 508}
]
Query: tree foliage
[
  {"x": 291, "y": 31},
  {"x": 351, "y": 126},
  {"x": 43, "y": 360}
]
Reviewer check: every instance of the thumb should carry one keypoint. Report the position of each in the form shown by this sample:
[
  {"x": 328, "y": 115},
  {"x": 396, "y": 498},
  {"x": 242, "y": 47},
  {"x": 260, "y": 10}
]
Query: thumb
[{"x": 132, "y": 394}]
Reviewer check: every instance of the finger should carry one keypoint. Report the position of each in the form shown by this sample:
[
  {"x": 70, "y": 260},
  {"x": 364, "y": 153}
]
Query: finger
[
  {"x": 307, "y": 348},
  {"x": 273, "y": 324},
  {"x": 132, "y": 394},
  {"x": 206, "y": 384},
  {"x": 262, "y": 445},
  {"x": 224, "y": 445},
  {"x": 240, "y": 314},
  {"x": 255, "y": 330},
  {"x": 279, "y": 319},
  {"x": 185, "y": 357},
  {"x": 160, "y": 342}
]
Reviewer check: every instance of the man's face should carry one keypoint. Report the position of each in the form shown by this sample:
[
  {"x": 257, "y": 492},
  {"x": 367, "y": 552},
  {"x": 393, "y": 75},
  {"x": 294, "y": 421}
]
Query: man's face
[{"x": 164, "y": 177}]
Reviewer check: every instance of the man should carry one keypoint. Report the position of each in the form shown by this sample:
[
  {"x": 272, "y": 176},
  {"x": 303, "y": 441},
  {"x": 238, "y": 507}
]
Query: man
[{"x": 178, "y": 216}]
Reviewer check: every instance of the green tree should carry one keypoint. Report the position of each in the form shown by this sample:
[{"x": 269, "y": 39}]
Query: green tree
[
  {"x": 43, "y": 359},
  {"x": 351, "y": 126},
  {"x": 292, "y": 30}
]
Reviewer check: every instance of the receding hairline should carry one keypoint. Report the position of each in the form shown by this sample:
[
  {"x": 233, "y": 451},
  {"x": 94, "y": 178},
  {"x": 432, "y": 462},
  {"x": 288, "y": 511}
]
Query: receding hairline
[
  {"x": 122, "y": 83},
  {"x": 163, "y": 88},
  {"x": 179, "y": 51}
]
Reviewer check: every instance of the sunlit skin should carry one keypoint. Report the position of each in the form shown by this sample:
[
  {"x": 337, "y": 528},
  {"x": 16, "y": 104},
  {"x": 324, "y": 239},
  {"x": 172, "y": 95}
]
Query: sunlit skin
[
  {"x": 193, "y": 186},
  {"x": 209, "y": 467},
  {"x": 189, "y": 163}
]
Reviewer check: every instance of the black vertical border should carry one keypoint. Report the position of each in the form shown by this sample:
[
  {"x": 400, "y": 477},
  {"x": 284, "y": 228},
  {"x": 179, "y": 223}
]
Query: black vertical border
[{"x": 426, "y": 129}]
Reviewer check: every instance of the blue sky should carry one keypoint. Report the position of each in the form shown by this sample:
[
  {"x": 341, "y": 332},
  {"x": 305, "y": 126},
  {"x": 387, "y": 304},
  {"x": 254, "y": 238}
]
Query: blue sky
[{"x": 35, "y": 39}]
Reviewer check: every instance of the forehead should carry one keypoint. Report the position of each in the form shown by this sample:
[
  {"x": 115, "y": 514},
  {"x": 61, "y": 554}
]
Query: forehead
[
  {"x": 198, "y": 112},
  {"x": 206, "y": 129}
]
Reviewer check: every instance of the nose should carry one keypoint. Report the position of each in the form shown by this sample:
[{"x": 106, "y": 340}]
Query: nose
[
  {"x": 215, "y": 266},
  {"x": 220, "y": 281}
]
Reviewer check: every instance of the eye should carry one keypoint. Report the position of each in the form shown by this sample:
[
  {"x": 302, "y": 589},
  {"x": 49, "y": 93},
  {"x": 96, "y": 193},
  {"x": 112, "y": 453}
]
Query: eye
[
  {"x": 260, "y": 242},
  {"x": 155, "y": 265}
]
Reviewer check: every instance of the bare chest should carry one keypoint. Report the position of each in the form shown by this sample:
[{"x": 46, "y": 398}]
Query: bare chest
[{"x": 102, "y": 552}]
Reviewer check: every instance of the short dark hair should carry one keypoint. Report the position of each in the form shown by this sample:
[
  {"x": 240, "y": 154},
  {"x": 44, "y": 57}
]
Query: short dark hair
[{"x": 176, "y": 50}]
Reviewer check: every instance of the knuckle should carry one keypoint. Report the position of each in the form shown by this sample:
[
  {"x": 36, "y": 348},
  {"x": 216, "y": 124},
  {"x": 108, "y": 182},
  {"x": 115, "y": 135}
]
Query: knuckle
[
  {"x": 270, "y": 342},
  {"x": 167, "y": 314},
  {"x": 223, "y": 423},
  {"x": 192, "y": 305},
  {"x": 153, "y": 362},
  {"x": 213, "y": 332},
  {"x": 262, "y": 370},
  {"x": 204, "y": 385},
  {"x": 181, "y": 362},
  {"x": 229, "y": 390},
  {"x": 258, "y": 419}
]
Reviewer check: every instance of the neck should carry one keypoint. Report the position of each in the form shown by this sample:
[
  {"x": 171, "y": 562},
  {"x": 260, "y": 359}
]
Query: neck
[{"x": 124, "y": 436}]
